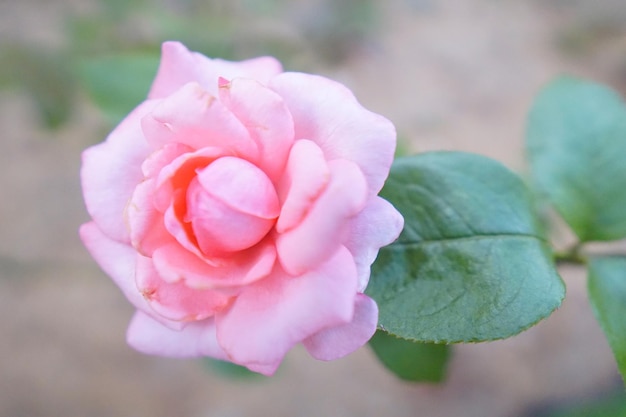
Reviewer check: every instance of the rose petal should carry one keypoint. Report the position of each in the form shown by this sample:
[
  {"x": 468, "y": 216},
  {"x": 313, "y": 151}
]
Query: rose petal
[
  {"x": 272, "y": 315},
  {"x": 115, "y": 258},
  {"x": 193, "y": 117},
  {"x": 327, "y": 113},
  {"x": 162, "y": 157},
  {"x": 174, "y": 263},
  {"x": 196, "y": 339},
  {"x": 304, "y": 179},
  {"x": 267, "y": 119},
  {"x": 176, "y": 301},
  {"x": 378, "y": 225},
  {"x": 231, "y": 205},
  {"x": 118, "y": 261},
  {"x": 147, "y": 230},
  {"x": 179, "y": 66},
  {"x": 111, "y": 170},
  {"x": 336, "y": 342},
  {"x": 179, "y": 172},
  {"x": 241, "y": 185},
  {"x": 171, "y": 193},
  {"x": 324, "y": 229}
]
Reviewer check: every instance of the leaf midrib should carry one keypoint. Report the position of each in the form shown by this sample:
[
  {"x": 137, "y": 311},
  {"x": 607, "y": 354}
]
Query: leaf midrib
[{"x": 403, "y": 244}]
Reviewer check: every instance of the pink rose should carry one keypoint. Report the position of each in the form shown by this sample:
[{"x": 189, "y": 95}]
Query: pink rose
[{"x": 237, "y": 210}]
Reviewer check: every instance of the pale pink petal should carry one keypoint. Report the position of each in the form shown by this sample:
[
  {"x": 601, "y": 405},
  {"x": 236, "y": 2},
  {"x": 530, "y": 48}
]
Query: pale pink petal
[
  {"x": 304, "y": 179},
  {"x": 111, "y": 170},
  {"x": 193, "y": 117},
  {"x": 115, "y": 258},
  {"x": 175, "y": 300},
  {"x": 196, "y": 339},
  {"x": 271, "y": 316},
  {"x": 336, "y": 342},
  {"x": 231, "y": 205},
  {"x": 174, "y": 264},
  {"x": 327, "y": 113},
  {"x": 240, "y": 185},
  {"x": 160, "y": 158},
  {"x": 220, "y": 230},
  {"x": 267, "y": 118},
  {"x": 147, "y": 230},
  {"x": 180, "y": 66},
  {"x": 378, "y": 225},
  {"x": 325, "y": 227},
  {"x": 118, "y": 260},
  {"x": 264, "y": 369}
]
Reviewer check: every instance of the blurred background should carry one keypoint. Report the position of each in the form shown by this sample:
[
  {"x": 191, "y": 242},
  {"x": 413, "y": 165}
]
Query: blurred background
[{"x": 451, "y": 74}]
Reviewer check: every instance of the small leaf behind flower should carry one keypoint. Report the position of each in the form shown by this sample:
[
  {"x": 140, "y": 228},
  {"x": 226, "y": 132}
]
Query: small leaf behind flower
[
  {"x": 230, "y": 370},
  {"x": 607, "y": 292},
  {"x": 118, "y": 83},
  {"x": 471, "y": 263},
  {"x": 411, "y": 361},
  {"x": 576, "y": 142}
]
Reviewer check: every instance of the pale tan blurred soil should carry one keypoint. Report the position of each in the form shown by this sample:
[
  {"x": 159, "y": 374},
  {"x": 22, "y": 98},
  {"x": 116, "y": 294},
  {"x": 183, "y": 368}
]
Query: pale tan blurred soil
[{"x": 451, "y": 75}]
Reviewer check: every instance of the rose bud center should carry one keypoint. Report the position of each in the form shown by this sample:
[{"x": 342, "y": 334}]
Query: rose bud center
[{"x": 231, "y": 205}]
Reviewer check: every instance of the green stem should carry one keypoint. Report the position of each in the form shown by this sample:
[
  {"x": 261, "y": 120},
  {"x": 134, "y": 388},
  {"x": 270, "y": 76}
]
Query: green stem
[{"x": 572, "y": 255}]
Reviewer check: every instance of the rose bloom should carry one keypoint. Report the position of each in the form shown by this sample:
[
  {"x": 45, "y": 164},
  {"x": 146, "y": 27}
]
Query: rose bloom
[{"x": 237, "y": 210}]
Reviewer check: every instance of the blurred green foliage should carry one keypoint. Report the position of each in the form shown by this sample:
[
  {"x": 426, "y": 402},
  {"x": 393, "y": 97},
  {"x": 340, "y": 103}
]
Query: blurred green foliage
[
  {"x": 44, "y": 75},
  {"x": 117, "y": 96},
  {"x": 110, "y": 52}
]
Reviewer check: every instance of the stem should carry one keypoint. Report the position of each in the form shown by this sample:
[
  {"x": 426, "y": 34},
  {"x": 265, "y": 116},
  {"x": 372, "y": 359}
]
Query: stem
[{"x": 572, "y": 255}]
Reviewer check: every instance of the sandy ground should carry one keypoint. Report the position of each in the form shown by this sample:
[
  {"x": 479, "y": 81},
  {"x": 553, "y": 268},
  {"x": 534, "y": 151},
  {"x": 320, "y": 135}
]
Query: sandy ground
[{"x": 451, "y": 75}]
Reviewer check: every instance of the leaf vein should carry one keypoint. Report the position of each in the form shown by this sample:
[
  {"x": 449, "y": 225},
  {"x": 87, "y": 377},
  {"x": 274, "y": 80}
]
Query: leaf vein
[{"x": 467, "y": 238}]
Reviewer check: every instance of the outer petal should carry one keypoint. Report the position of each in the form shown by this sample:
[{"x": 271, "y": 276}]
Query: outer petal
[
  {"x": 180, "y": 66},
  {"x": 118, "y": 260},
  {"x": 327, "y": 113},
  {"x": 304, "y": 179},
  {"x": 267, "y": 118},
  {"x": 196, "y": 339},
  {"x": 147, "y": 230},
  {"x": 174, "y": 263},
  {"x": 112, "y": 169},
  {"x": 324, "y": 229},
  {"x": 271, "y": 316},
  {"x": 176, "y": 301},
  {"x": 195, "y": 118},
  {"x": 378, "y": 225},
  {"x": 336, "y": 342}
]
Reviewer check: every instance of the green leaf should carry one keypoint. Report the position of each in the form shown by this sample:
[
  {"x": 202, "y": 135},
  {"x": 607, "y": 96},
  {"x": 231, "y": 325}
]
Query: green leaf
[
  {"x": 118, "y": 84},
  {"x": 607, "y": 292},
  {"x": 576, "y": 142},
  {"x": 471, "y": 263},
  {"x": 411, "y": 361},
  {"x": 230, "y": 370}
]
